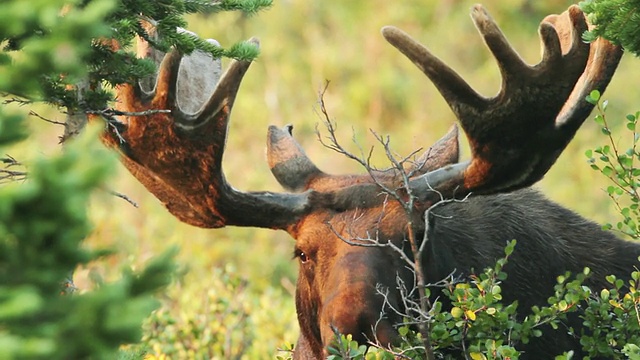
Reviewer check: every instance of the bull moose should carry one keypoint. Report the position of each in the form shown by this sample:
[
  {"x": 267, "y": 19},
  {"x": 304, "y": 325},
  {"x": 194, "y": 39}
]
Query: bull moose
[{"x": 515, "y": 137}]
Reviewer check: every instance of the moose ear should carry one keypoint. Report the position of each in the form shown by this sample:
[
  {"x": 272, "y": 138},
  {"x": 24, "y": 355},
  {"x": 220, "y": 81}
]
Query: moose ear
[
  {"x": 445, "y": 151},
  {"x": 288, "y": 162}
]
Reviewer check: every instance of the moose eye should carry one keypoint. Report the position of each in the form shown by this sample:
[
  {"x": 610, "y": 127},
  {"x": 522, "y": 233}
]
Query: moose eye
[{"x": 301, "y": 255}]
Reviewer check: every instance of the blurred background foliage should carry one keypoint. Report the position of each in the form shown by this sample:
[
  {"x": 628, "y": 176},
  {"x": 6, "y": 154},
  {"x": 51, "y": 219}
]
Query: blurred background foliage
[{"x": 234, "y": 297}]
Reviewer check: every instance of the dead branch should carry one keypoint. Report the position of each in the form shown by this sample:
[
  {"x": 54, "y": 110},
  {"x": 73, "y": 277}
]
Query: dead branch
[
  {"x": 114, "y": 124},
  {"x": 33, "y": 113},
  {"x": 123, "y": 197},
  {"x": 110, "y": 112},
  {"x": 416, "y": 303}
]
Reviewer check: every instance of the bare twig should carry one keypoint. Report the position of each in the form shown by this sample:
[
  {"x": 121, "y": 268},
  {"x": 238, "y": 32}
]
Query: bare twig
[
  {"x": 420, "y": 309},
  {"x": 10, "y": 161},
  {"x": 124, "y": 197},
  {"x": 33, "y": 113},
  {"x": 110, "y": 112},
  {"x": 373, "y": 242},
  {"x": 114, "y": 124},
  {"x": 412, "y": 313},
  {"x": 331, "y": 140},
  {"x": 8, "y": 175}
]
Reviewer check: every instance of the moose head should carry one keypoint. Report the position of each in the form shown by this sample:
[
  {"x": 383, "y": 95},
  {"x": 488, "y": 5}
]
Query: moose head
[{"x": 348, "y": 228}]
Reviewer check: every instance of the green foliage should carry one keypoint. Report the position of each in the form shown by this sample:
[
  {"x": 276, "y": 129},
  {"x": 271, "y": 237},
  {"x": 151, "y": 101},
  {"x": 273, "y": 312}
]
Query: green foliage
[
  {"x": 39, "y": 208},
  {"x": 344, "y": 347},
  {"x": 43, "y": 222},
  {"x": 50, "y": 46},
  {"x": 615, "y": 20},
  {"x": 222, "y": 319},
  {"x": 169, "y": 15},
  {"x": 613, "y": 316},
  {"x": 613, "y": 320},
  {"x": 621, "y": 167},
  {"x": 12, "y": 127},
  {"x": 481, "y": 326},
  {"x": 248, "y": 7}
]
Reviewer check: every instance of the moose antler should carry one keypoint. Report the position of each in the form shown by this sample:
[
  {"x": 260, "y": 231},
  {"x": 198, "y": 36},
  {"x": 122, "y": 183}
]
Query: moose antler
[
  {"x": 517, "y": 135},
  {"x": 178, "y": 155}
]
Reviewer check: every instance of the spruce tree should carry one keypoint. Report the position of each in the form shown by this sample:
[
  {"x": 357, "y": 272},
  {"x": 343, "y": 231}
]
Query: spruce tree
[{"x": 616, "y": 20}]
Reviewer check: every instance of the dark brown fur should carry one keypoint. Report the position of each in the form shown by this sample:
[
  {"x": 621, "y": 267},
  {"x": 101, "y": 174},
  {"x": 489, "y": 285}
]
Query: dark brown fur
[{"x": 337, "y": 285}]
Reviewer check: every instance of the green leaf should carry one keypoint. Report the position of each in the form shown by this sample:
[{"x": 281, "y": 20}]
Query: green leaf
[
  {"x": 562, "y": 305},
  {"x": 593, "y": 97},
  {"x": 403, "y": 330},
  {"x": 456, "y": 312}
]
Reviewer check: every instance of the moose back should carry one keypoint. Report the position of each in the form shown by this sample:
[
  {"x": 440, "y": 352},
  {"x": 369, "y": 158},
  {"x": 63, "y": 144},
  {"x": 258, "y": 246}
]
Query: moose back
[{"x": 348, "y": 228}]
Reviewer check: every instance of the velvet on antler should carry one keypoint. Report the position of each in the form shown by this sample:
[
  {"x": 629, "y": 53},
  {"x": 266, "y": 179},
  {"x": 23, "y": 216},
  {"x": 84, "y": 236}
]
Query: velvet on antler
[{"x": 514, "y": 136}]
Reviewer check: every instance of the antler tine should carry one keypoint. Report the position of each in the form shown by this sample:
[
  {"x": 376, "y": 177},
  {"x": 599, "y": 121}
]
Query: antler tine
[
  {"x": 445, "y": 151},
  {"x": 165, "y": 91},
  {"x": 603, "y": 60},
  {"x": 222, "y": 98},
  {"x": 517, "y": 135},
  {"x": 552, "y": 48},
  {"x": 510, "y": 63},
  {"x": 296, "y": 172},
  {"x": 569, "y": 32}
]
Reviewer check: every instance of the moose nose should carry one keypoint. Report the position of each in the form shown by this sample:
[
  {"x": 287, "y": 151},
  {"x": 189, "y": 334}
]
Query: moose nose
[
  {"x": 352, "y": 305},
  {"x": 362, "y": 316}
]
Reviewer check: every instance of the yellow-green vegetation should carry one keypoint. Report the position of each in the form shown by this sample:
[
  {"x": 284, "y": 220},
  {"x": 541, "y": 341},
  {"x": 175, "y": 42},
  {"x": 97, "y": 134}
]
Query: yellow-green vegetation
[{"x": 372, "y": 86}]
